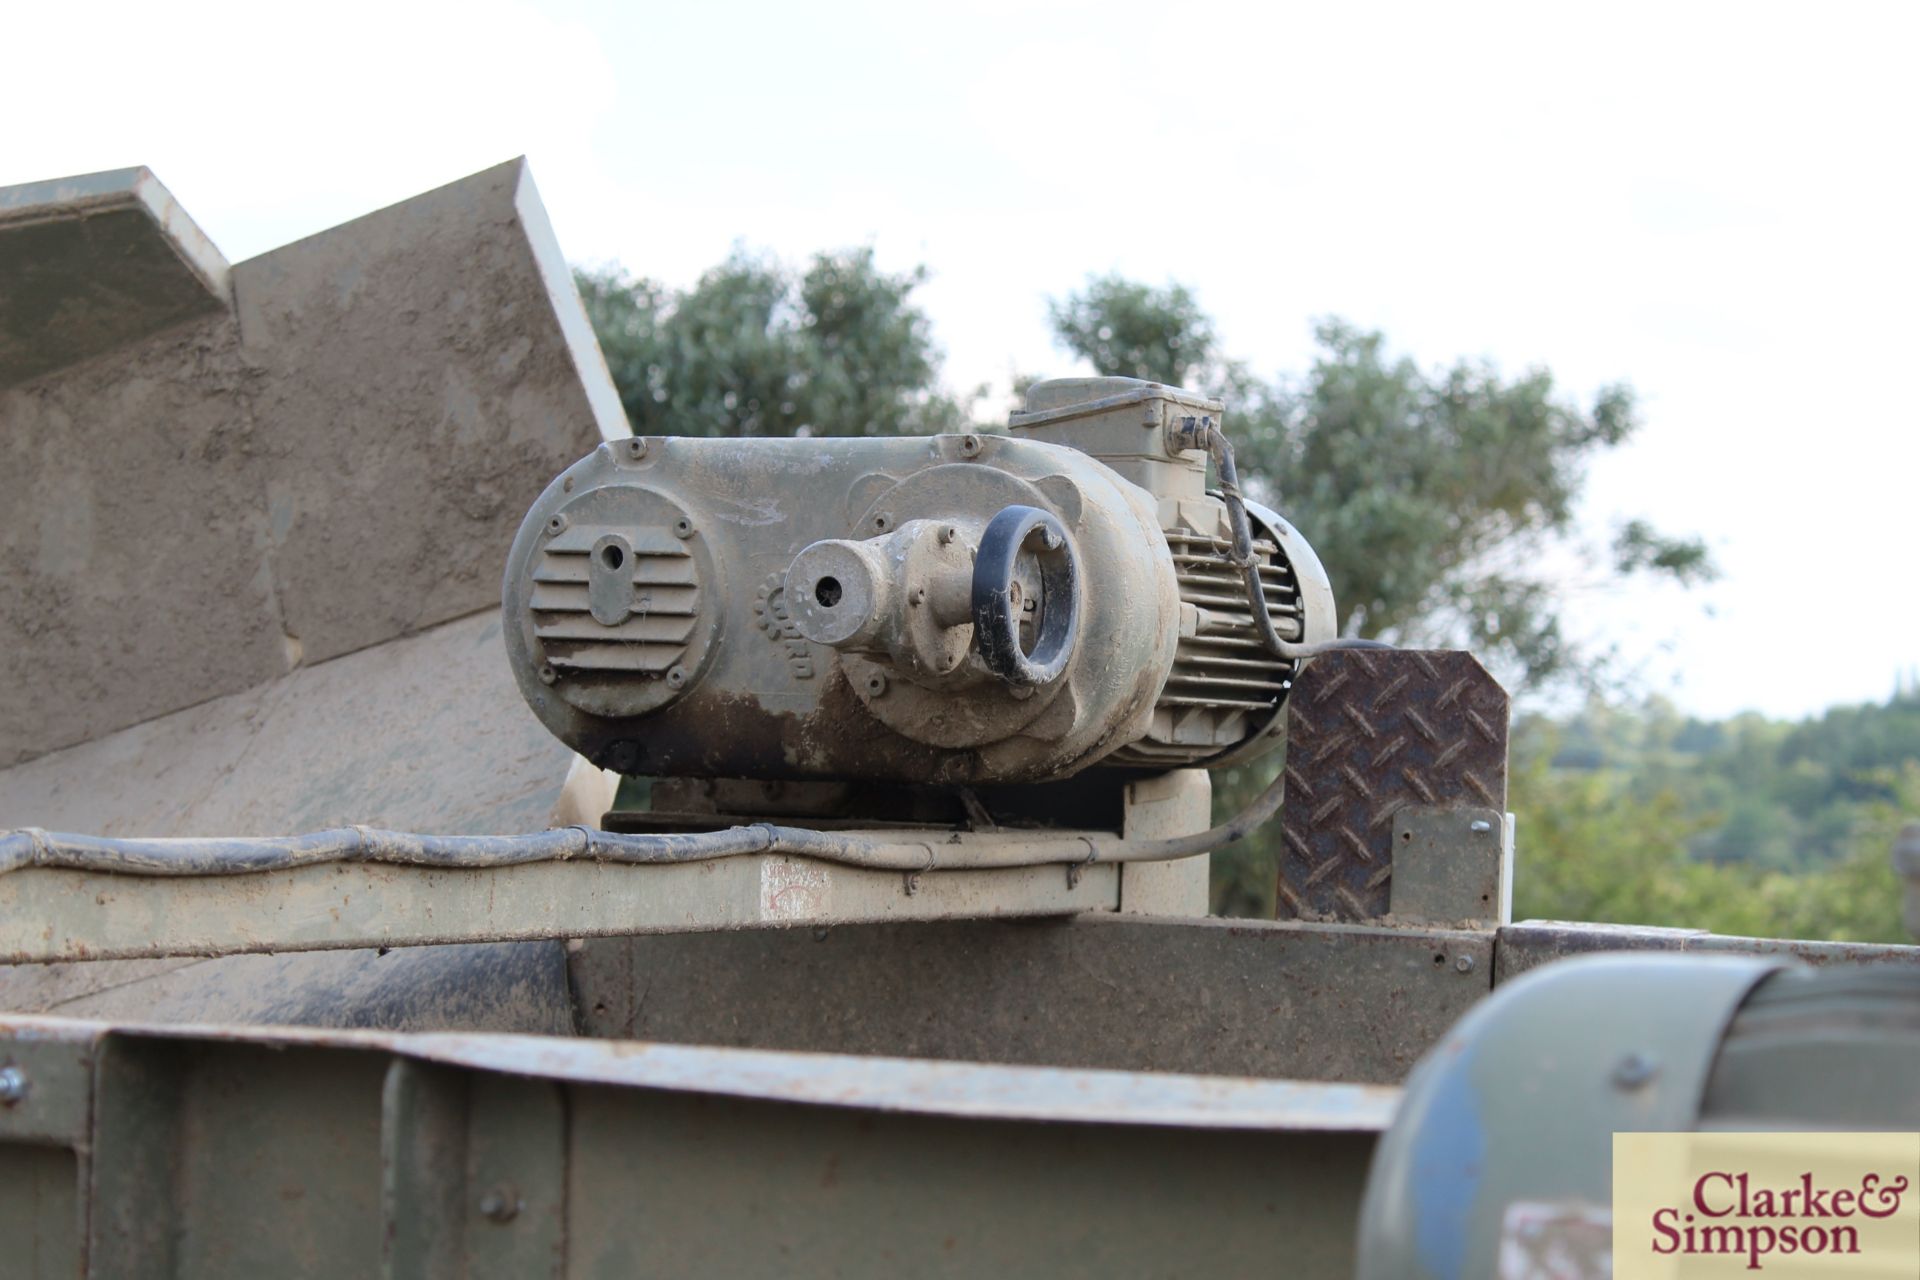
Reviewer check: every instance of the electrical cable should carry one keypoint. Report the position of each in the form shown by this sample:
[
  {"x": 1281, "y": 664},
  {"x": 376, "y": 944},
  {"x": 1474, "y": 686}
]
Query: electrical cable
[
  {"x": 1242, "y": 556},
  {"x": 243, "y": 855}
]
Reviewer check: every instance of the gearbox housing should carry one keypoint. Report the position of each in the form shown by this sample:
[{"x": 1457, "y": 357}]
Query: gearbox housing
[{"x": 952, "y": 609}]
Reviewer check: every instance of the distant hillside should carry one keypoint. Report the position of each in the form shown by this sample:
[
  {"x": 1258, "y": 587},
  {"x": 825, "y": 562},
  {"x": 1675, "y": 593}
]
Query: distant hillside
[
  {"x": 1771, "y": 794},
  {"x": 1744, "y": 825}
]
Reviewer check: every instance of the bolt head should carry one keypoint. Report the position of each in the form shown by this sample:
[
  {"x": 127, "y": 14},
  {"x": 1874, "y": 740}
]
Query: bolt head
[
  {"x": 13, "y": 1085},
  {"x": 1480, "y": 824},
  {"x": 548, "y": 675},
  {"x": 683, "y": 529},
  {"x": 501, "y": 1204},
  {"x": 676, "y": 677},
  {"x": 637, "y": 447},
  {"x": 1635, "y": 1071},
  {"x": 1463, "y": 964},
  {"x": 876, "y": 685},
  {"x": 969, "y": 445}
]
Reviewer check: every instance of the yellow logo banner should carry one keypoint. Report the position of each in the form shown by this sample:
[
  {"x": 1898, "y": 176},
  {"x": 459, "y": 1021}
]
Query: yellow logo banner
[{"x": 1780, "y": 1205}]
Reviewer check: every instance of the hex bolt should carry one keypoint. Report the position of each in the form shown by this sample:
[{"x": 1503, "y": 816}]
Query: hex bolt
[
  {"x": 1480, "y": 825},
  {"x": 676, "y": 677},
  {"x": 683, "y": 528},
  {"x": 876, "y": 685},
  {"x": 13, "y": 1085},
  {"x": 501, "y": 1204},
  {"x": 969, "y": 446},
  {"x": 1463, "y": 964},
  {"x": 1635, "y": 1071}
]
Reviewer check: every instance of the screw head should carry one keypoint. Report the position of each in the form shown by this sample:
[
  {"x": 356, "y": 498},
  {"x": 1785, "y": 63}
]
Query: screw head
[
  {"x": 1480, "y": 824},
  {"x": 548, "y": 675},
  {"x": 637, "y": 447},
  {"x": 13, "y": 1085},
  {"x": 1635, "y": 1071},
  {"x": 500, "y": 1204},
  {"x": 556, "y": 523},
  {"x": 676, "y": 677},
  {"x": 876, "y": 684},
  {"x": 683, "y": 528}
]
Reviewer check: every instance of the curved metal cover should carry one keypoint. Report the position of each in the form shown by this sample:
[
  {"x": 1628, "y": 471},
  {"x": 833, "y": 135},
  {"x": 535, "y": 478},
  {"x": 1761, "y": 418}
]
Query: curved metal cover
[{"x": 1517, "y": 1106}]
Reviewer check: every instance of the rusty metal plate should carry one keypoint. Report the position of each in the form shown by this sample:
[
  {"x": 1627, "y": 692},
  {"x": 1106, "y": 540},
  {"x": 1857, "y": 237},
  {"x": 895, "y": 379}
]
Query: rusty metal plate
[
  {"x": 1258, "y": 998},
  {"x": 1368, "y": 733}
]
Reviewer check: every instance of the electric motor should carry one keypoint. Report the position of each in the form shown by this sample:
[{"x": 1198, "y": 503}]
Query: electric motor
[{"x": 961, "y": 608}]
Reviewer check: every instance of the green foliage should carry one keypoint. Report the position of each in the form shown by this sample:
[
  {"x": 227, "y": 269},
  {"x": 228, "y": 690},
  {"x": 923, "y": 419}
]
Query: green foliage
[
  {"x": 1643, "y": 818},
  {"x": 1431, "y": 496},
  {"x": 1131, "y": 330},
  {"x": 756, "y": 349},
  {"x": 1638, "y": 546},
  {"x": 1773, "y": 796}
]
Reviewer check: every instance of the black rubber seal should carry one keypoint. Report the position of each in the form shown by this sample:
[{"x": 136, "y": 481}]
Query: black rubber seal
[{"x": 996, "y": 619}]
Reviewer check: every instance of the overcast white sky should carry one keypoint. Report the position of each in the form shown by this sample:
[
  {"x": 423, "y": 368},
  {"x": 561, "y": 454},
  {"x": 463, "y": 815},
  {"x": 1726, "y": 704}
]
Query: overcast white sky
[{"x": 1717, "y": 203}]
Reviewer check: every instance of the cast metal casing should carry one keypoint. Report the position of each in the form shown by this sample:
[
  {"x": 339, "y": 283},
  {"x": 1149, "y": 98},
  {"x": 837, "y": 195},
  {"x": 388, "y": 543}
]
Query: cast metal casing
[{"x": 647, "y": 620}]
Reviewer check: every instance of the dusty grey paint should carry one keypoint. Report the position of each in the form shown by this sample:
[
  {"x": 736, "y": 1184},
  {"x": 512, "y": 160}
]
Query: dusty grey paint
[
  {"x": 1241, "y": 997},
  {"x": 340, "y": 459},
  {"x": 699, "y": 669},
  {"x": 122, "y": 582},
  {"x": 94, "y": 262},
  {"x": 426, "y": 733},
  {"x": 421, "y": 389},
  {"x": 504, "y": 986}
]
